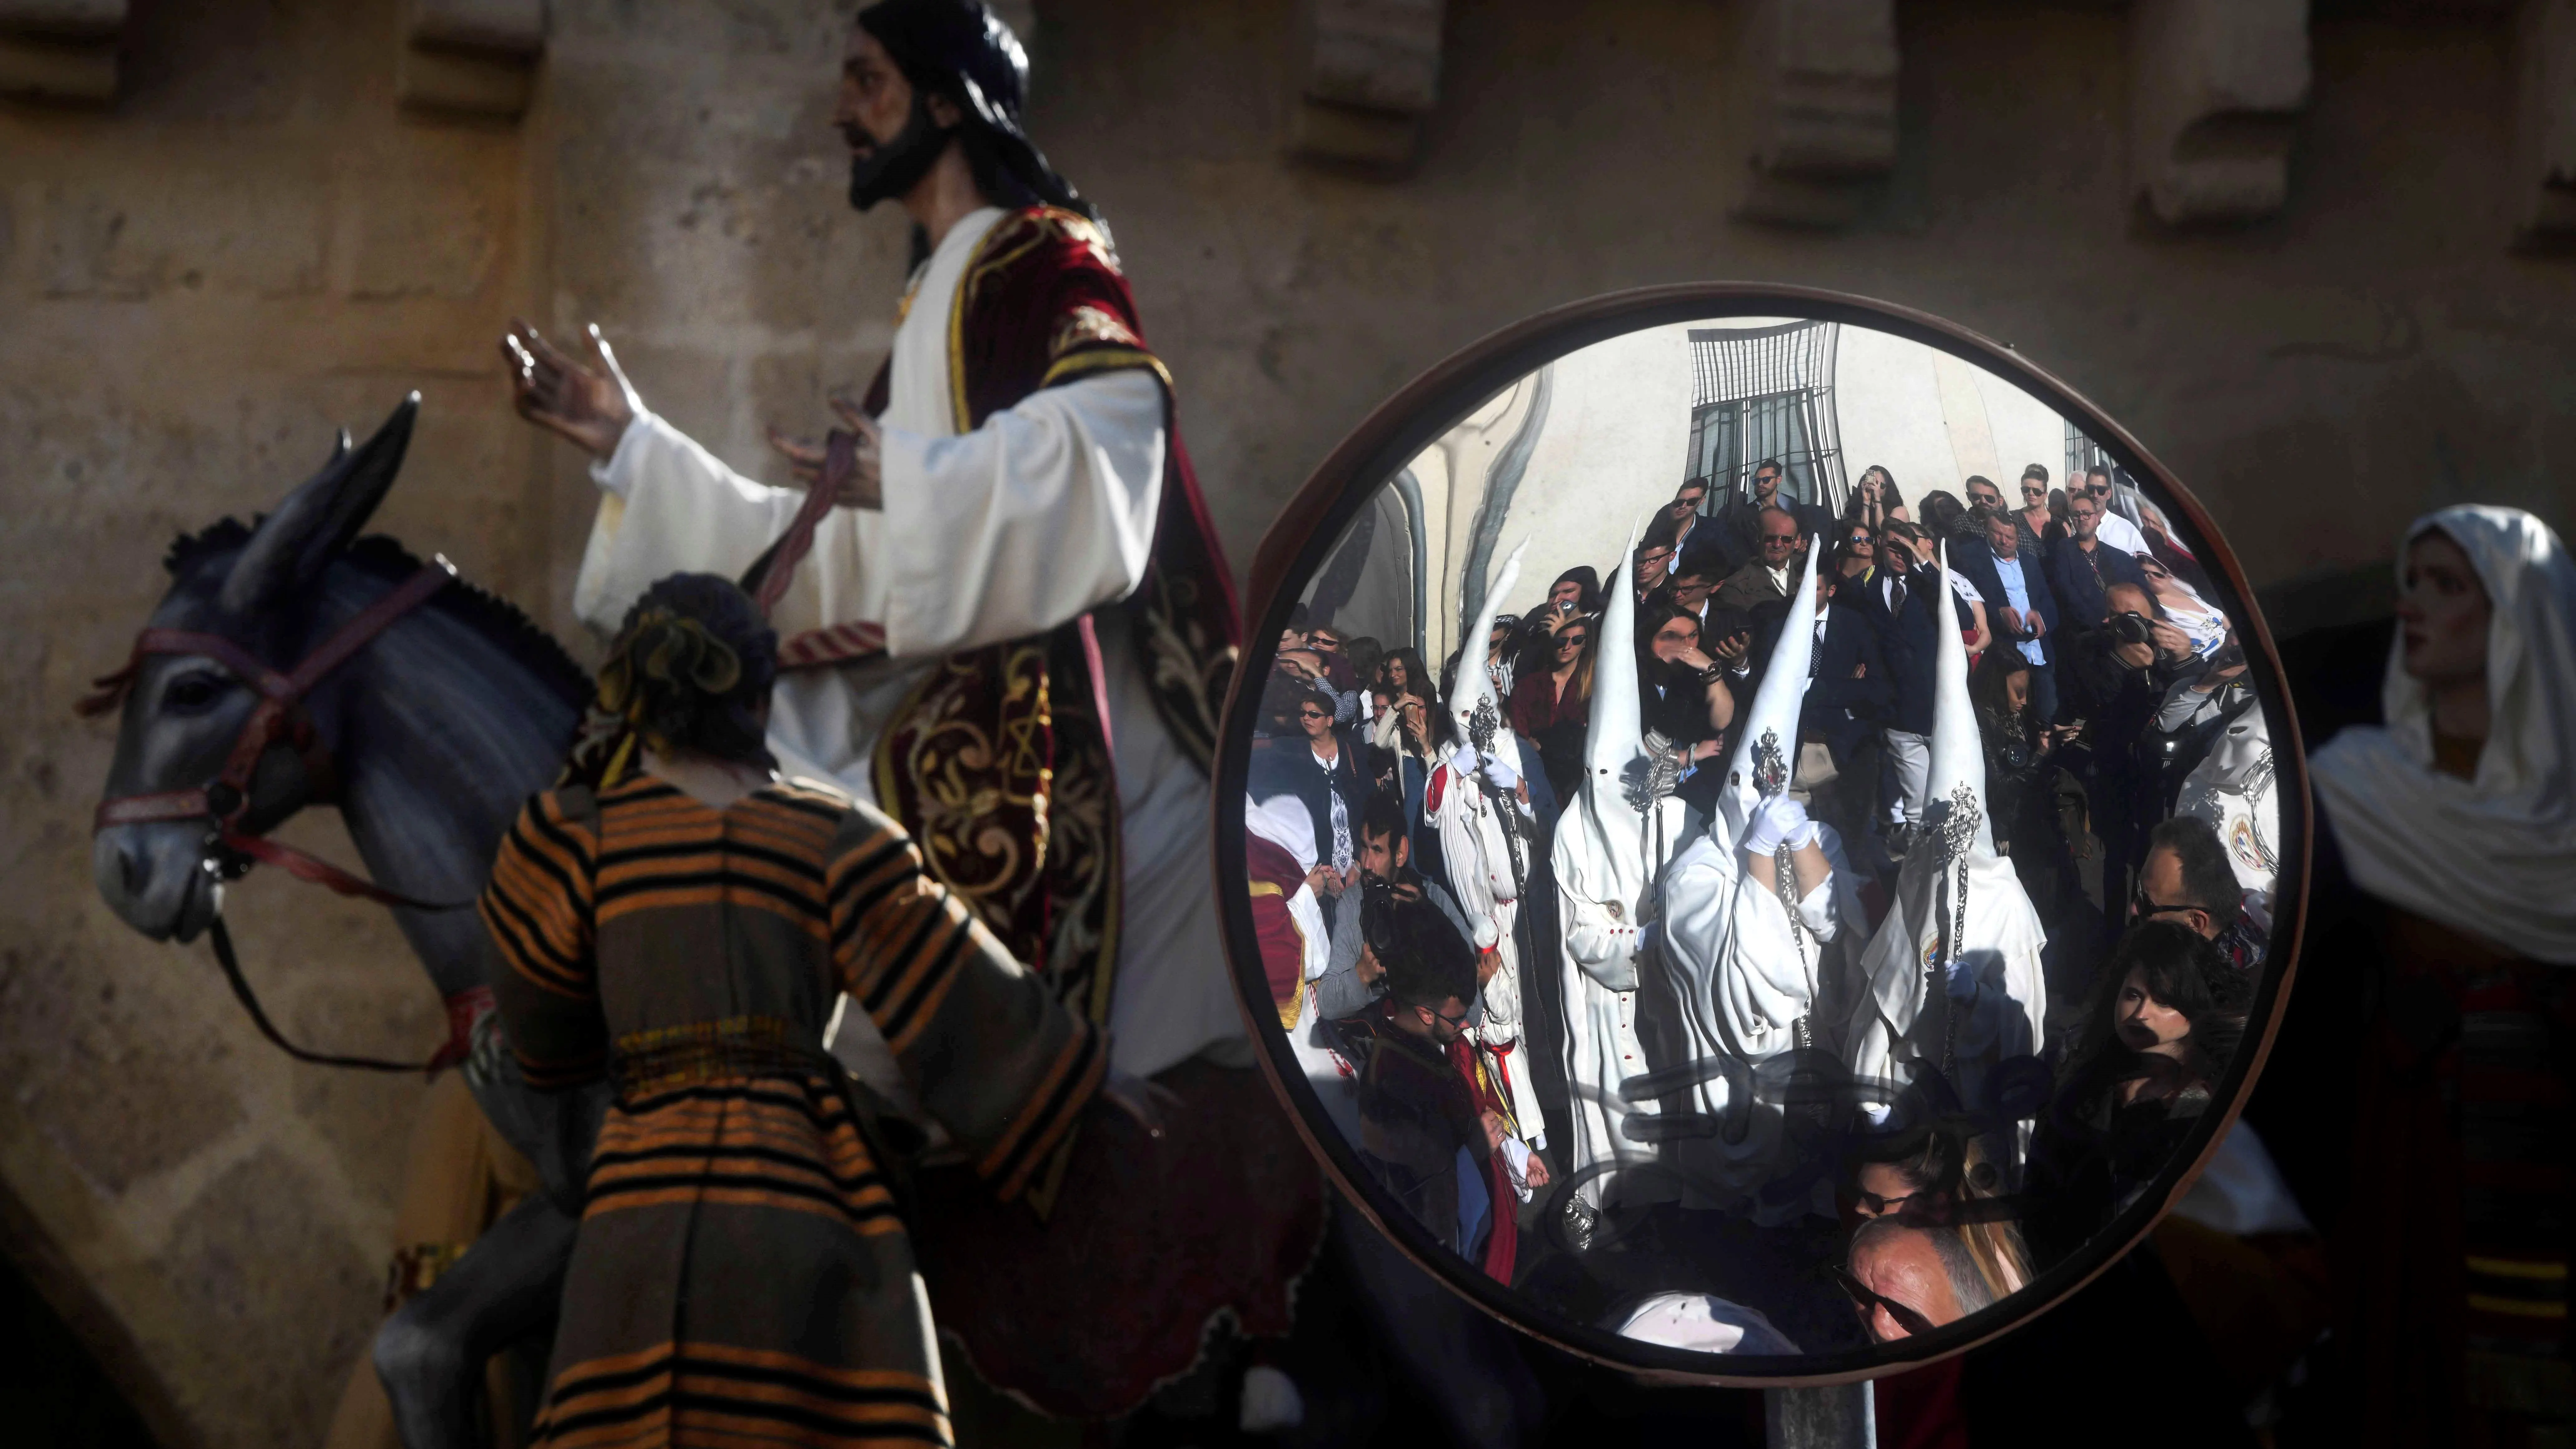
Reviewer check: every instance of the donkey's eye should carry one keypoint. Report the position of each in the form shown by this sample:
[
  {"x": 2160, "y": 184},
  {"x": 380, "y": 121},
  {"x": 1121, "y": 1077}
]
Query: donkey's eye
[{"x": 190, "y": 693}]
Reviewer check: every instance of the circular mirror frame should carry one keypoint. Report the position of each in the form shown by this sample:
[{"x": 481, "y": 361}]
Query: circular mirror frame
[{"x": 1296, "y": 547}]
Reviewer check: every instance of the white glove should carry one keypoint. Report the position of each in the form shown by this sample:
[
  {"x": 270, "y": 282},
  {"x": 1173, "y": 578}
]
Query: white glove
[
  {"x": 1504, "y": 776},
  {"x": 1962, "y": 983},
  {"x": 1778, "y": 821}
]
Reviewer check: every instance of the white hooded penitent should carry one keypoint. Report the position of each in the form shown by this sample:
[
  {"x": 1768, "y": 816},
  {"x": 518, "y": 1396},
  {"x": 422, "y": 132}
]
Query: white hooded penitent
[
  {"x": 1486, "y": 839},
  {"x": 1747, "y": 964},
  {"x": 1954, "y": 971},
  {"x": 1610, "y": 849}
]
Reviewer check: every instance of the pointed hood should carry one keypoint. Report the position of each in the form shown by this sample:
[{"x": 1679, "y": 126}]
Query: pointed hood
[
  {"x": 1766, "y": 745},
  {"x": 1616, "y": 734},
  {"x": 1953, "y": 877},
  {"x": 1605, "y": 807},
  {"x": 1958, "y": 775},
  {"x": 1473, "y": 689}
]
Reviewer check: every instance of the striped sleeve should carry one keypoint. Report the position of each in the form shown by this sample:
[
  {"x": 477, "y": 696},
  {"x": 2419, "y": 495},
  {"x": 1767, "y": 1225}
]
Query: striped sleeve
[
  {"x": 991, "y": 1051},
  {"x": 537, "y": 908}
]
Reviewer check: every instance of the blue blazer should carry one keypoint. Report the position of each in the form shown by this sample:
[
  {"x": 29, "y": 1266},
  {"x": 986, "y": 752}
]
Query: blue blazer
[
  {"x": 1975, "y": 560},
  {"x": 1840, "y": 709}
]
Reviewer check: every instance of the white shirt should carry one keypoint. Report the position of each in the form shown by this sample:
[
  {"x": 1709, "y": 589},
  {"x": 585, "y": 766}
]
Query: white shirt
[
  {"x": 1045, "y": 512},
  {"x": 2120, "y": 533},
  {"x": 2017, "y": 593}
]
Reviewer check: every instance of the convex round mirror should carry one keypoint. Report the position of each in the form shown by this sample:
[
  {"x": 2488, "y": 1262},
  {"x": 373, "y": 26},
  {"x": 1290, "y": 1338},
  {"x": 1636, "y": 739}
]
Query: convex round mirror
[{"x": 1691, "y": 919}]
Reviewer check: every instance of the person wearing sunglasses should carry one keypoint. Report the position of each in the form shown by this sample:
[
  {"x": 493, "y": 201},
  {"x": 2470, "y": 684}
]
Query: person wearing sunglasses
[
  {"x": 2034, "y": 512},
  {"x": 1905, "y": 1281},
  {"x": 2116, "y": 529}
]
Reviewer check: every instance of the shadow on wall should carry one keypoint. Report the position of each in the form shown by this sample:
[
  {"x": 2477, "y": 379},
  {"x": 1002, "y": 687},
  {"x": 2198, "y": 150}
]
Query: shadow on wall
[{"x": 51, "y": 1391}]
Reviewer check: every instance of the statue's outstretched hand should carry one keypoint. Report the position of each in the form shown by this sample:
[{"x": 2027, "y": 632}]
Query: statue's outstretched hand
[
  {"x": 588, "y": 407},
  {"x": 865, "y": 487}
]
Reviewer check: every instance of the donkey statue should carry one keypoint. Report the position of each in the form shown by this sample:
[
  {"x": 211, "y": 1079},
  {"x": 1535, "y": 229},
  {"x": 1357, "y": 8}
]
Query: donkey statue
[{"x": 428, "y": 737}]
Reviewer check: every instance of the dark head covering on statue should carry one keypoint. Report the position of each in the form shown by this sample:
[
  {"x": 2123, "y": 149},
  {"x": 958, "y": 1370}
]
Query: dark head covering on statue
[{"x": 961, "y": 50}]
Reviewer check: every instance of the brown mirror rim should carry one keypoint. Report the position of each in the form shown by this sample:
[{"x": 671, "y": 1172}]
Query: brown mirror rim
[{"x": 1386, "y": 441}]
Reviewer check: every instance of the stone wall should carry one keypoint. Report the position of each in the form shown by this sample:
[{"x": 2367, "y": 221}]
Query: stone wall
[
  {"x": 255, "y": 240},
  {"x": 251, "y": 247}
]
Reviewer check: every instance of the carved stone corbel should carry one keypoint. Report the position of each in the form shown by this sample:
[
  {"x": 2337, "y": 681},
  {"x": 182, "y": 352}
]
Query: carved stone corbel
[
  {"x": 470, "y": 57},
  {"x": 63, "y": 50},
  {"x": 1823, "y": 84},
  {"x": 2215, "y": 88},
  {"x": 2544, "y": 133},
  {"x": 1370, "y": 73}
]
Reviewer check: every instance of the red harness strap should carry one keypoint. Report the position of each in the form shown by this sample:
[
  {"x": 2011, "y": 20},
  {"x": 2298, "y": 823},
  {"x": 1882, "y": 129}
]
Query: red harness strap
[{"x": 279, "y": 719}]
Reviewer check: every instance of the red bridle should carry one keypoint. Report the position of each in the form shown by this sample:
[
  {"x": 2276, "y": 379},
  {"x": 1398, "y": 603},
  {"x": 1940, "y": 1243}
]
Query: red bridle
[{"x": 223, "y": 802}]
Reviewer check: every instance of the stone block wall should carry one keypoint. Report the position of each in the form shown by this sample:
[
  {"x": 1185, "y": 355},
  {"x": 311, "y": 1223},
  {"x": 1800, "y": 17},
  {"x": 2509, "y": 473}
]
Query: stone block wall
[
  {"x": 252, "y": 246},
  {"x": 259, "y": 238}
]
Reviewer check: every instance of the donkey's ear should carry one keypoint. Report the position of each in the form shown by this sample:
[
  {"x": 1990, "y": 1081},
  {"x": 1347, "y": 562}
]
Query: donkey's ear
[{"x": 315, "y": 522}]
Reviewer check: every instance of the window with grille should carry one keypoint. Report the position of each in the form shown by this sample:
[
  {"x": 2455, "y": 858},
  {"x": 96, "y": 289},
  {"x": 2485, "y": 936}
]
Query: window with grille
[{"x": 1763, "y": 393}]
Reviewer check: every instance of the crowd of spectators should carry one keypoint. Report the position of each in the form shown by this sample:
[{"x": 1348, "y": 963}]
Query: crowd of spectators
[{"x": 2101, "y": 674}]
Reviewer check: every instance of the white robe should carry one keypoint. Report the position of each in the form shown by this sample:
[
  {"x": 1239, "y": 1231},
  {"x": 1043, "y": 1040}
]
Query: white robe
[
  {"x": 1480, "y": 880},
  {"x": 2234, "y": 791},
  {"x": 1606, "y": 898},
  {"x": 1043, "y": 513},
  {"x": 1746, "y": 973},
  {"x": 2004, "y": 1014}
]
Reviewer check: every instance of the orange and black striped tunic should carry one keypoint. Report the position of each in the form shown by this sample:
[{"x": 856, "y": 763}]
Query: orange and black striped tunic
[{"x": 743, "y": 1276}]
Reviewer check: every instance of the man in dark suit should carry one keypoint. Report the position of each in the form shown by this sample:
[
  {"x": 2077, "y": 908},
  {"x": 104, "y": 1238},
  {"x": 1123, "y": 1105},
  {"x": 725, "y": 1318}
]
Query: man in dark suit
[
  {"x": 1849, "y": 693},
  {"x": 2082, "y": 569},
  {"x": 1900, "y": 603},
  {"x": 1739, "y": 523},
  {"x": 2021, "y": 608}
]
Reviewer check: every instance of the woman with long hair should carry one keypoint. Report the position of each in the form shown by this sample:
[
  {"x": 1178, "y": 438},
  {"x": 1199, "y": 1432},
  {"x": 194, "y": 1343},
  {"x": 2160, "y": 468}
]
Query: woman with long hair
[
  {"x": 1875, "y": 499},
  {"x": 1552, "y": 704},
  {"x": 2166, "y": 1017},
  {"x": 1398, "y": 671},
  {"x": 688, "y": 928}
]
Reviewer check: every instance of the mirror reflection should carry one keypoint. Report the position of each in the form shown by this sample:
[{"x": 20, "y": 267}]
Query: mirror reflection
[{"x": 1761, "y": 837}]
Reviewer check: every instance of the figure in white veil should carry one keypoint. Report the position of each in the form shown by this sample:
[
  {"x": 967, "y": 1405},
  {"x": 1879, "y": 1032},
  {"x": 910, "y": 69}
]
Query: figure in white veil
[
  {"x": 1610, "y": 849},
  {"x": 1488, "y": 839},
  {"x": 1954, "y": 974},
  {"x": 1752, "y": 914}
]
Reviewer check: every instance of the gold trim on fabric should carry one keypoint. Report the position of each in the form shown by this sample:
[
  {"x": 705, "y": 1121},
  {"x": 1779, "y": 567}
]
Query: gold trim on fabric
[
  {"x": 2516, "y": 1307},
  {"x": 646, "y": 1062},
  {"x": 1106, "y": 359},
  {"x": 2516, "y": 1268}
]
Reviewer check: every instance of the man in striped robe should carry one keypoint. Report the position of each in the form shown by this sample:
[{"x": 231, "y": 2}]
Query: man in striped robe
[{"x": 744, "y": 1271}]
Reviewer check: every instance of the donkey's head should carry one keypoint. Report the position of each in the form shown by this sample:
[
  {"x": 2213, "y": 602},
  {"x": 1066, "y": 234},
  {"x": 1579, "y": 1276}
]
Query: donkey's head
[{"x": 184, "y": 712}]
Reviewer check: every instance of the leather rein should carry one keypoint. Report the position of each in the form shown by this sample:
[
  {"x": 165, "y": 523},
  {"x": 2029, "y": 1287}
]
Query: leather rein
[{"x": 280, "y": 721}]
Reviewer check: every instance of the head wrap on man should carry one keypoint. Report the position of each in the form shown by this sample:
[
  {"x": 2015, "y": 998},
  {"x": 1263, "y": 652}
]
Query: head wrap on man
[{"x": 960, "y": 49}]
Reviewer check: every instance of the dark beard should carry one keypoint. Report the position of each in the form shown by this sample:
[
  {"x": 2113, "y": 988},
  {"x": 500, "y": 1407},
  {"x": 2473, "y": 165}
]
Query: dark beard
[{"x": 888, "y": 169}]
